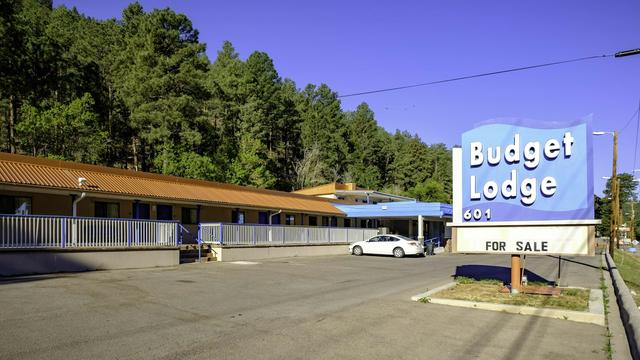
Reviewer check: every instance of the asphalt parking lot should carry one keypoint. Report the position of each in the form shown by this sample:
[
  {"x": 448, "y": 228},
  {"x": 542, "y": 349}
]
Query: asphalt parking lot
[{"x": 332, "y": 307}]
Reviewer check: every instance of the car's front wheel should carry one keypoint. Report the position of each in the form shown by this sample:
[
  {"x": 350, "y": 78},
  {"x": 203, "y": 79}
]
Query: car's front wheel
[
  {"x": 398, "y": 252},
  {"x": 357, "y": 250}
]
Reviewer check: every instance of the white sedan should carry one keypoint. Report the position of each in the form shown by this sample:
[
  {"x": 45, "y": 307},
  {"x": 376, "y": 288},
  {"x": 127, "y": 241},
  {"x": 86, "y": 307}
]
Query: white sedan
[{"x": 396, "y": 245}]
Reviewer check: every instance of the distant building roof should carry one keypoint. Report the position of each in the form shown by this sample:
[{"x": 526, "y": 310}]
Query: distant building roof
[
  {"x": 327, "y": 189},
  {"x": 349, "y": 189},
  {"x": 397, "y": 210},
  {"x": 35, "y": 172}
]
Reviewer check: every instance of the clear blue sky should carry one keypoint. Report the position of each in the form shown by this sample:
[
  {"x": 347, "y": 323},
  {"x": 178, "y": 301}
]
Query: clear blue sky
[{"x": 363, "y": 45}]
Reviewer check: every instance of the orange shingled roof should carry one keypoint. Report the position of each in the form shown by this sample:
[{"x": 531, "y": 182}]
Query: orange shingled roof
[{"x": 46, "y": 173}]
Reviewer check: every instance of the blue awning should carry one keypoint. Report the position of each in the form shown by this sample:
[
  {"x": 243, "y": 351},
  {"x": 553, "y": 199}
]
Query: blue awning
[{"x": 397, "y": 210}]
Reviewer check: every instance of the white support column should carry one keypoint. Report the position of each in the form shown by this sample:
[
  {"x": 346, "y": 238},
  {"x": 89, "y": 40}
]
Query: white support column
[
  {"x": 456, "y": 154},
  {"x": 420, "y": 228}
]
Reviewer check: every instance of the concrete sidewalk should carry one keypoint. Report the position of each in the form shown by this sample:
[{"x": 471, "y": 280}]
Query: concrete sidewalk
[{"x": 295, "y": 308}]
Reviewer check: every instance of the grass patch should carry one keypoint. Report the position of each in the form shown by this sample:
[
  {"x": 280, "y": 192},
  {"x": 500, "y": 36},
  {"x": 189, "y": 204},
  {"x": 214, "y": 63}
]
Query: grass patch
[
  {"x": 628, "y": 265},
  {"x": 467, "y": 280},
  {"x": 489, "y": 291}
]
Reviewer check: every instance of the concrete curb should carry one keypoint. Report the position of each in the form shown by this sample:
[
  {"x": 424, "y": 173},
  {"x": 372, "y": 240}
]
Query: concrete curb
[
  {"x": 628, "y": 310},
  {"x": 433, "y": 291},
  {"x": 594, "y": 316},
  {"x": 617, "y": 334},
  {"x": 577, "y": 316}
]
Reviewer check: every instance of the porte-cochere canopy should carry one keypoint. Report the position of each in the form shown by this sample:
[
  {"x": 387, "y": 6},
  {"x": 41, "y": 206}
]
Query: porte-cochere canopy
[{"x": 400, "y": 209}]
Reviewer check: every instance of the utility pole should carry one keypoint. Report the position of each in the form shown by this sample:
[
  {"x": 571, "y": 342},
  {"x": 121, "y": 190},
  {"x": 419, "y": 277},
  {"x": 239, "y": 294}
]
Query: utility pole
[
  {"x": 613, "y": 241},
  {"x": 614, "y": 185},
  {"x": 618, "y": 212},
  {"x": 632, "y": 226}
]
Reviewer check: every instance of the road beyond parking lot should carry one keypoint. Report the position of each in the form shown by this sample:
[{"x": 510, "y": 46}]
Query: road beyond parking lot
[{"x": 333, "y": 307}]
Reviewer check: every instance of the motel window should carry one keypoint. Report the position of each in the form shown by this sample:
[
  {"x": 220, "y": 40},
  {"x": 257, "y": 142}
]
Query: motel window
[
  {"x": 237, "y": 217},
  {"x": 290, "y": 220},
  {"x": 275, "y": 220},
  {"x": 325, "y": 221},
  {"x": 141, "y": 211},
  {"x": 189, "y": 216},
  {"x": 15, "y": 205},
  {"x": 107, "y": 209},
  {"x": 313, "y": 221},
  {"x": 334, "y": 221},
  {"x": 164, "y": 212},
  {"x": 263, "y": 217},
  {"x": 347, "y": 222}
]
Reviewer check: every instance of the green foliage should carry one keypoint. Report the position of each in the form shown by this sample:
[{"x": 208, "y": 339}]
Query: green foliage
[
  {"x": 249, "y": 168},
  {"x": 628, "y": 198},
  {"x": 67, "y": 131},
  {"x": 366, "y": 147},
  {"x": 430, "y": 190},
  {"x": 628, "y": 188},
  {"x": 139, "y": 92},
  {"x": 323, "y": 126}
]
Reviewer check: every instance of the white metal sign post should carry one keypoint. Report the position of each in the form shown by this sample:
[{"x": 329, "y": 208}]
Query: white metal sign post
[{"x": 524, "y": 187}]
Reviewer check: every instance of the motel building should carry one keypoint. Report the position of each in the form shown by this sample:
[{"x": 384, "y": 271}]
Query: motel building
[
  {"x": 58, "y": 211},
  {"x": 389, "y": 213}
]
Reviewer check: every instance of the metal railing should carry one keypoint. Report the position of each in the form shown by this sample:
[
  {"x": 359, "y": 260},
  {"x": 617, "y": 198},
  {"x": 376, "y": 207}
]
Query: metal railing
[
  {"x": 435, "y": 241},
  {"x": 37, "y": 231},
  {"x": 254, "y": 234}
]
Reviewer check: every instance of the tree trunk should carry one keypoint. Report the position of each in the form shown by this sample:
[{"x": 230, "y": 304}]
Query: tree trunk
[
  {"x": 109, "y": 113},
  {"x": 12, "y": 123},
  {"x": 135, "y": 153},
  {"x": 111, "y": 153}
]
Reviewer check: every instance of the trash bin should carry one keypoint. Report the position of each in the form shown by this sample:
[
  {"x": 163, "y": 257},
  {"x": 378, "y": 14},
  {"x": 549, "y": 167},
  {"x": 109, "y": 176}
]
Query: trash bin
[{"x": 429, "y": 248}]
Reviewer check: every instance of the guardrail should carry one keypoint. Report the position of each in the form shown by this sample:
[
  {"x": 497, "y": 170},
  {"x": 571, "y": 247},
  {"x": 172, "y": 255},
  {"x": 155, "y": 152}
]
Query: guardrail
[
  {"x": 254, "y": 234},
  {"x": 36, "y": 231}
]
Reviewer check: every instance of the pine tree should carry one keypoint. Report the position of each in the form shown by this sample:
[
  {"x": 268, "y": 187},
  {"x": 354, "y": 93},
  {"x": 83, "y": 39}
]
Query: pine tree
[
  {"x": 163, "y": 84},
  {"x": 365, "y": 153},
  {"x": 323, "y": 126},
  {"x": 249, "y": 168}
]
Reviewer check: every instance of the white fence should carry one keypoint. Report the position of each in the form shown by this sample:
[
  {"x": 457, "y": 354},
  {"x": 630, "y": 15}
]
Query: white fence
[
  {"x": 27, "y": 231},
  {"x": 235, "y": 234}
]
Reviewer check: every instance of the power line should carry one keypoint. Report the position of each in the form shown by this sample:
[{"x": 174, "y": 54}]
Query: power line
[
  {"x": 477, "y": 75},
  {"x": 630, "y": 119}
]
